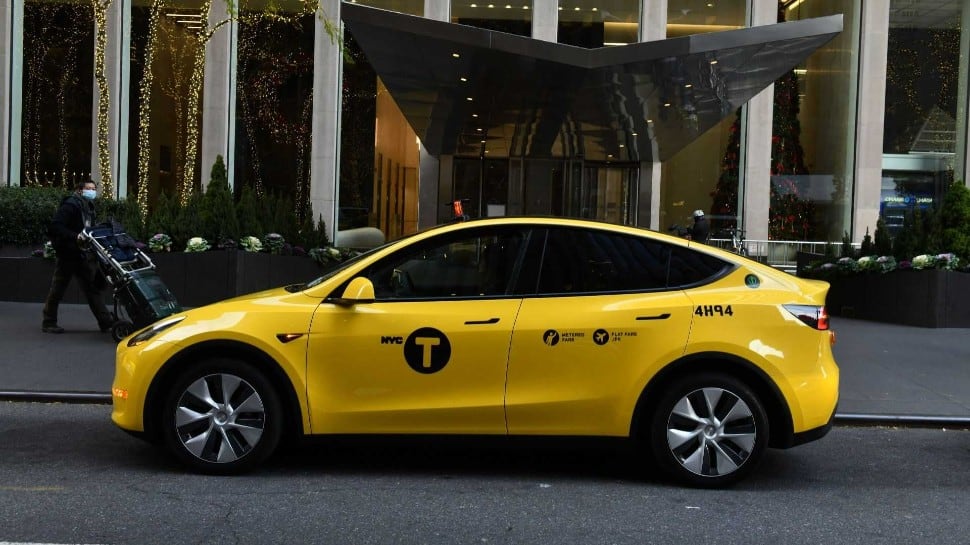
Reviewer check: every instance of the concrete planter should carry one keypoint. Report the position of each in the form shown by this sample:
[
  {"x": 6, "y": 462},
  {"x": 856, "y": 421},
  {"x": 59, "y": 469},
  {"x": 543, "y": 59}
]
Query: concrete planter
[
  {"x": 927, "y": 298},
  {"x": 196, "y": 279}
]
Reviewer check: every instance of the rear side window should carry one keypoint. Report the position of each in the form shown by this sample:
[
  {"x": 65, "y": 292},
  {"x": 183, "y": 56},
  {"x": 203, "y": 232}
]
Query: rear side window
[
  {"x": 690, "y": 268},
  {"x": 590, "y": 261}
]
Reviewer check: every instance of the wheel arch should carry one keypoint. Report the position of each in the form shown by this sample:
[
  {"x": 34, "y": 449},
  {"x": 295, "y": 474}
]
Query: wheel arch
[
  {"x": 169, "y": 372},
  {"x": 780, "y": 426}
]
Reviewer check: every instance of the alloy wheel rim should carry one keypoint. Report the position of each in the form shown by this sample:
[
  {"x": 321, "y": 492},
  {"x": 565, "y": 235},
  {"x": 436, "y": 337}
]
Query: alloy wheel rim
[
  {"x": 220, "y": 418},
  {"x": 711, "y": 432}
]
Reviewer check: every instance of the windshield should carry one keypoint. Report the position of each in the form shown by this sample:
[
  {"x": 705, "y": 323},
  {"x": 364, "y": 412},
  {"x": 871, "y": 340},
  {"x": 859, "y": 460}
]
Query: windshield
[{"x": 337, "y": 269}]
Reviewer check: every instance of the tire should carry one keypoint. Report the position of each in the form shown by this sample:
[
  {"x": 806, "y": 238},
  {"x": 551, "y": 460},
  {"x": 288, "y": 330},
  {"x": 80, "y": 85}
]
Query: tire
[
  {"x": 120, "y": 330},
  {"x": 222, "y": 417},
  {"x": 705, "y": 450}
]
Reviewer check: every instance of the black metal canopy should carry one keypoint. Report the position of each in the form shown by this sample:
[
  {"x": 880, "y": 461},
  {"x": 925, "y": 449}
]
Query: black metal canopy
[{"x": 465, "y": 90}]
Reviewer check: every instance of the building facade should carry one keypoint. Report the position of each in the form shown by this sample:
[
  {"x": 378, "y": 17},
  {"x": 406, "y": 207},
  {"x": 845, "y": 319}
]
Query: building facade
[{"x": 872, "y": 124}]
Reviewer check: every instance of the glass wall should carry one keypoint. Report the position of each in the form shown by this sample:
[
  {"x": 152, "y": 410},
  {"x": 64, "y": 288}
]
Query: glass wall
[
  {"x": 357, "y": 159},
  {"x": 686, "y": 17},
  {"x": 161, "y": 127},
  {"x": 58, "y": 68},
  {"x": 274, "y": 101},
  {"x": 922, "y": 118},
  {"x": 591, "y": 23},
  {"x": 412, "y": 7},
  {"x": 513, "y": 18},
  {"x": 705, "y": 174},
  {"x": 813, "y": 133}
]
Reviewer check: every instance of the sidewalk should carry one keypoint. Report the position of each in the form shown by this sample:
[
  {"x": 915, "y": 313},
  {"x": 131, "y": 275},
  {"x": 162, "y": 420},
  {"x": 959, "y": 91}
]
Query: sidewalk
[{"x": 886, "y": 369}]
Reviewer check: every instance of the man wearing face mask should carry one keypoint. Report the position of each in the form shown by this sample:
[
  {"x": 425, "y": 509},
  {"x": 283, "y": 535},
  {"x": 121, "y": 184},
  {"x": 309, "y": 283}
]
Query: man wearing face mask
[{"x": 75, "y": 214}]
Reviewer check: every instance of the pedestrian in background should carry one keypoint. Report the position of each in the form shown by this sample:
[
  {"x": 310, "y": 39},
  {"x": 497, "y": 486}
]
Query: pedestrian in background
[
  {"x": 75, "y": 214},
  {"x": 701, "y": 230}
]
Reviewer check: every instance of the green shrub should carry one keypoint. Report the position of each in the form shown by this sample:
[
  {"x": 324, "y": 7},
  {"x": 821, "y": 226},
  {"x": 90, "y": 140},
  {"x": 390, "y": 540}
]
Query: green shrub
[
  {"x": 189, "y": 222},
  {"x": 219, "y": 219},
  {"x": 25, "y": 213},
  {"x": 883, "y": 243},
  {"x": 164, "y": 217},
  {"x": 867, "y": 248},
  {"x": 847, "y": 250},
  {"x": 954, "y": 220},
  {"x": 249, "y": 214}
]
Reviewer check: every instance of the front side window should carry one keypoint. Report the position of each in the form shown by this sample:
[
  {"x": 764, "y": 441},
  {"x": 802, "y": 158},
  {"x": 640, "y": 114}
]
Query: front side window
[
  {"x": 457, "y": 265},
  {"x": 589, "y": 261}
]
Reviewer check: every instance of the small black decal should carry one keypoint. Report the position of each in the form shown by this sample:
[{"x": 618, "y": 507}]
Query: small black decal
[
  {"x": 752, "y": 281},
  {"x": 601, "y": 337},
  {"x": 551, "y": 337}
]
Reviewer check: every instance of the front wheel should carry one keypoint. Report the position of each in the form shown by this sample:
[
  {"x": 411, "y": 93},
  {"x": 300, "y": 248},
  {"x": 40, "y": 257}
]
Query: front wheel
[
  {"x": 222, "y": 417},
  {"x": 709, "y": 430}
]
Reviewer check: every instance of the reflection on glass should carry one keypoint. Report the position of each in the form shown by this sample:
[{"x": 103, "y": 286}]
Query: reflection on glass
[
  {"x": 58, "y": 68},
  {"x": 357, "y": 160},
  {"x": 710, "y": 163},
  {"x": 591, "y": 23},
  {"x": 161, "y": 129},
  {"x": 274, "y": 101},
  {"x": 813, "y": 133},
  {"x": 413, "y": 7},
  {"x": 922, "y": 120},
  {"x": 513, "y": 18},
  {"x": 686, "y": 17}
]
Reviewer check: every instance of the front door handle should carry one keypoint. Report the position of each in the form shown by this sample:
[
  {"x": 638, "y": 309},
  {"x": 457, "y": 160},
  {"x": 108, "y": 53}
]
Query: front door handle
[
  {"x": 663, "y": 316},
  {"x": 482, "y": 322}
]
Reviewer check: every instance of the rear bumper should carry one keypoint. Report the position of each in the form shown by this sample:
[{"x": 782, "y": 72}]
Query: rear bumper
[{"x": 811, "y": 435}]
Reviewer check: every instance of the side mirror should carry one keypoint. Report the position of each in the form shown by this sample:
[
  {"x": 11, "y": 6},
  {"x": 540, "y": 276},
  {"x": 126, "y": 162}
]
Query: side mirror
[{"x": 359, "y": 291}]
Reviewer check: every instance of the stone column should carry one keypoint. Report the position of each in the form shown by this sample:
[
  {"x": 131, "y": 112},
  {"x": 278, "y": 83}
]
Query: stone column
[
  {"x": 870, "y": 118},
  {"x": 545, "y": 20},
  {"x": 754, "y": 186},
  {"x": 218, "y": 94},
  {"x": 653, "y": 26},
  {"x": 325, "y": 141},
  {"x": 429, "y": 166},
  {"x": 11, "y": 32}
]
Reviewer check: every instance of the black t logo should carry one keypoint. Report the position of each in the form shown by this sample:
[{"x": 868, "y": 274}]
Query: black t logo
[{"x": 427, "y": 350}]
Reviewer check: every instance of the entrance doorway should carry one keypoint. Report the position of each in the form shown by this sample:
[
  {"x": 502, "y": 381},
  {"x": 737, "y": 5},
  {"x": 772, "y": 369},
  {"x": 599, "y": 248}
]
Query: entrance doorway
[{"x": 546, "y": 187}]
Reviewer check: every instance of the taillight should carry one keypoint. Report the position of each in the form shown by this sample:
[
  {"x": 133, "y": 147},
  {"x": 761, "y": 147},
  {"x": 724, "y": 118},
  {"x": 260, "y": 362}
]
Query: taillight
[{"x": 812, "y": 316}]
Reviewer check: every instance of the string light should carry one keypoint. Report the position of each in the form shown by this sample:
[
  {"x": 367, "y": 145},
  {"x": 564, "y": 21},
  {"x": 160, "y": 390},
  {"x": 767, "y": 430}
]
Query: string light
[
  {"x": 104, "y": 158},
  {"x": 144, "y": 111}
]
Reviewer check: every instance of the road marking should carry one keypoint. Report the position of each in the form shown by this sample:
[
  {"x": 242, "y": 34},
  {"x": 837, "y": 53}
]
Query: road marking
[
  {"x": 26, "y": 543},
  {"x": 29, "y": 489}
]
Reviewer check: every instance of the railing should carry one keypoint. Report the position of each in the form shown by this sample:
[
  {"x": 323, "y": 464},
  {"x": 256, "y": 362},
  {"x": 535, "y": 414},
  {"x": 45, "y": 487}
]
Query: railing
[{"x": 780, "y": 254}]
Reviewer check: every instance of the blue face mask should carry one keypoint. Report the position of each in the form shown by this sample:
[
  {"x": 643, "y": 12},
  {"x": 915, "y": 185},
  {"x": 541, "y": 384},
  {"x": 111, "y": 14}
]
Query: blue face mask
[{"x": 89, "y": 194}]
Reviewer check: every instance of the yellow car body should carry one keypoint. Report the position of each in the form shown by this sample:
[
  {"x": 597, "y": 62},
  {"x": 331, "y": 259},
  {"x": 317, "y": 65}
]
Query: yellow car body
[{"x": 463, "y": 353}]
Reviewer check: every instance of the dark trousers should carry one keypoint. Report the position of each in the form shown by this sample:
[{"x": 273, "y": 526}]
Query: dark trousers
[{"x": 86, "y": 274}]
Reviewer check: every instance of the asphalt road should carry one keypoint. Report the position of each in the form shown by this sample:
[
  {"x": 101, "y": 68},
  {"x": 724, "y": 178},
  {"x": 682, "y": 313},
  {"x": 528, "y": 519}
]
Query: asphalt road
[{"x": 68, "y": 476}]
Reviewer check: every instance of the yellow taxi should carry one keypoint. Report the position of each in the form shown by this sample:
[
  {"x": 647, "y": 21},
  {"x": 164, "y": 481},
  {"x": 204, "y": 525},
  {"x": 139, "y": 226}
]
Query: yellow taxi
[{"x": 501, "y": 327}]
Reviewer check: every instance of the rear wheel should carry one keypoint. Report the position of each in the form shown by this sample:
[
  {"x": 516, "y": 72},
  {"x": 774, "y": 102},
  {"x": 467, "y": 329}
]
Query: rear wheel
[
  {"x": 222, "y": 416},
  {"x": 709, "y": 430}
]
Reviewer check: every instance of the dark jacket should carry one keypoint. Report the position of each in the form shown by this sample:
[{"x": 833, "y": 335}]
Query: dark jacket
[
  {"x": 701, "y": 229},
  {"x": 74, "y": 214}
]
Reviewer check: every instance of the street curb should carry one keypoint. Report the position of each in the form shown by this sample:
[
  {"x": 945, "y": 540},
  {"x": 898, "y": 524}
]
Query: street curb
[
  {"x": 56, "y": 397},
  {"x": 841, "y": 419}
]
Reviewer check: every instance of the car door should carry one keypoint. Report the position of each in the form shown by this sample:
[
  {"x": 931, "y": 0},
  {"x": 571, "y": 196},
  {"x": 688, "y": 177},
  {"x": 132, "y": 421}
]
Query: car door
[
  {"x": 430, "y": 354},
  {"x": 601, "y": 323}
]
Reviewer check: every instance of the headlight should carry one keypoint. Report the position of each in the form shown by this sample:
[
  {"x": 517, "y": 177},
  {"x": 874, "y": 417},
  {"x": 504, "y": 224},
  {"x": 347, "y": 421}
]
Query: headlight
[{"x": 153, "y": 330}]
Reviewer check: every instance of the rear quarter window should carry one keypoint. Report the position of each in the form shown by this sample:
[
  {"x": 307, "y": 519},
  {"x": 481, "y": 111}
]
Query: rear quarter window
[{"x": 692, "y": 268}]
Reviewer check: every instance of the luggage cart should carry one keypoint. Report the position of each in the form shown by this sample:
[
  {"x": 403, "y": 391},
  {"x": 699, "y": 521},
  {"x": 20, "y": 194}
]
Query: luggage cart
[{"x": 140, "y": 296}]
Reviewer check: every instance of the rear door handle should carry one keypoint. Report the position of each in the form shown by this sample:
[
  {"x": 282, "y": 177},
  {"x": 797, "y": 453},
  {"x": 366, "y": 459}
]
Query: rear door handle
[{"x": 482, "y": 322}]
